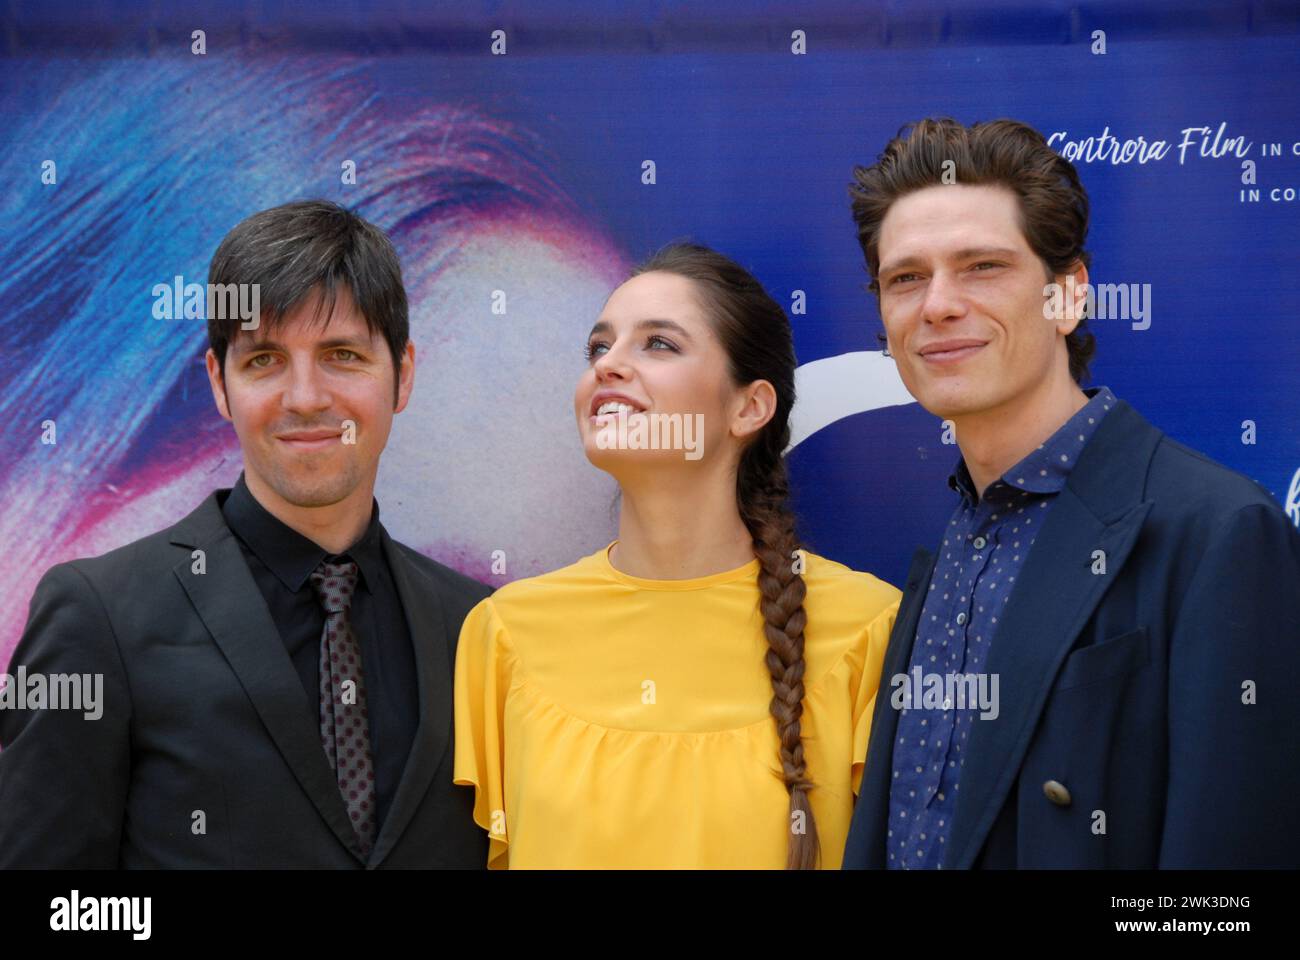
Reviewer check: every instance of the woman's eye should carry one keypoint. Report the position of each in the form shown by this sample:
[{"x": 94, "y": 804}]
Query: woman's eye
[{"x": 655, "y": 343}]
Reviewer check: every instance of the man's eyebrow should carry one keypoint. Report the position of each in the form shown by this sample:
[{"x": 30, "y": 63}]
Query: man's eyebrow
[
  {"x": 354, "y": 342},
  {"x": 653, "y": 323},
  {"x": 253, "y": 346},
  {"x": 966, "y": 253}
]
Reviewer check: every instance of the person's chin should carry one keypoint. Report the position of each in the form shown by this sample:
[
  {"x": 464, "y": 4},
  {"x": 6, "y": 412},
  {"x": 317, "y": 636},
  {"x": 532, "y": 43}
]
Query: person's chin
[
  {"x": 609, "y": 459},
  {"x": 315, "y": 482},
  {"x": 949, "y": 399},
  {"x": 619, "y": 461},
  {"x": 600, "y": 442}
]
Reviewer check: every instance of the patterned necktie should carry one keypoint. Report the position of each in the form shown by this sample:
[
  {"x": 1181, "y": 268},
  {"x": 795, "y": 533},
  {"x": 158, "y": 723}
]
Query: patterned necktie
[{"x": 344, "y": 723}]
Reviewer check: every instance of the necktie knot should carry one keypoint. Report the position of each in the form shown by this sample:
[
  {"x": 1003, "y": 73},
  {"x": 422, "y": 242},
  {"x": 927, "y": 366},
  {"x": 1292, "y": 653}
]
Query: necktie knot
[{"x": 334, "y": 584}]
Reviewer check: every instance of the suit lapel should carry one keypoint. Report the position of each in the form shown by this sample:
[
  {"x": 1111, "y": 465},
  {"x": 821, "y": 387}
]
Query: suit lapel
[
  {"x": 431, "y": 633},
  {"x": 873, "y": 796},
  {"x": 1053, "y": 599},
  {"x": 231, "y": 607}
]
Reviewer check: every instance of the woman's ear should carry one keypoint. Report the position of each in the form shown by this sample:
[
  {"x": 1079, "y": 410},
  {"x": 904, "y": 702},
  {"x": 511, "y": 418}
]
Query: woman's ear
[{"x": 755, "y": 405}]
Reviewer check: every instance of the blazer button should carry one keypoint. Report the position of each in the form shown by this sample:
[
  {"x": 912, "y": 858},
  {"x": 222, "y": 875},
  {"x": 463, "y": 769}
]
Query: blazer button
[{"x": 1056, "y": 792}]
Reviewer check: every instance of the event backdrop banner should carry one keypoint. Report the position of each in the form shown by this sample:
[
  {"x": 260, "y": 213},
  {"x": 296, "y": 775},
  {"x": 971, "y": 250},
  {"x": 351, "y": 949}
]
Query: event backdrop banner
[{"x": 524, "y": 157}]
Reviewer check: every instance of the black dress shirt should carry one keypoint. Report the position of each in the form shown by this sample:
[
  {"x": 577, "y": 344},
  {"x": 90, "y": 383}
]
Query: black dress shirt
[{"x": 281, "y": 561}]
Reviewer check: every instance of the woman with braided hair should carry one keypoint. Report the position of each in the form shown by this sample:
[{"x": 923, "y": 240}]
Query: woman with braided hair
[{"x": 699, "y": 692}]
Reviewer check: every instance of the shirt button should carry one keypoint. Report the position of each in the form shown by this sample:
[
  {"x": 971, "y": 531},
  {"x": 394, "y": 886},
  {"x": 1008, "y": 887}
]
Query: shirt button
[
  {"x": 961, "y": 618},
  {"x": 979, "y": 543}
]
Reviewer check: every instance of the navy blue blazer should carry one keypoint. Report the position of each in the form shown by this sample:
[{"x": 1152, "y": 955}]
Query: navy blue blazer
[{"x": 1159, "y": 698}]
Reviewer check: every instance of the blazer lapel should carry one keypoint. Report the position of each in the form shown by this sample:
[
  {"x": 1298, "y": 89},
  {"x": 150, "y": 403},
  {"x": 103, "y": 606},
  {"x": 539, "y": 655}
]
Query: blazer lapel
[
  {"x": 227, "y": 600},
  {"x": 871, "y": 815},
  {"x": 1054, "y": 597},
  {"x": 431, "y": 634}
]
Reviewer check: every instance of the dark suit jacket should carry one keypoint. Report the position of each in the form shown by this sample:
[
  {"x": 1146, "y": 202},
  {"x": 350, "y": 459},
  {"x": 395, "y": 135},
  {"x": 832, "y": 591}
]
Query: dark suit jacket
[
  {"x": 1126, "y": 687},
  {"x": 203, "y": 711}
]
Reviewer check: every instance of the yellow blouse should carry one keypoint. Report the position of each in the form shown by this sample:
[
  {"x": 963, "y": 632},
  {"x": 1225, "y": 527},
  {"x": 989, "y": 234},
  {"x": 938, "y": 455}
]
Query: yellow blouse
[{"x": 609, "y": 721}]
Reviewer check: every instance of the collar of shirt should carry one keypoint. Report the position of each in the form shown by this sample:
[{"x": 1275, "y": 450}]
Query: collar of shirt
[
  {"x": 286, "y": 552},
  {"x": 1046, "y": 469}
]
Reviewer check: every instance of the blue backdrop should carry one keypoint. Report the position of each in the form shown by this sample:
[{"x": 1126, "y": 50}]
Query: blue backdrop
[{"x": 521, "y": 169}]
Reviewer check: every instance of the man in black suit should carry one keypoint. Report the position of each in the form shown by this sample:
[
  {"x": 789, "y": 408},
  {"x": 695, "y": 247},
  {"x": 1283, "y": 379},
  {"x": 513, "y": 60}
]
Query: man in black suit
[{"x": 274, "y": 671}]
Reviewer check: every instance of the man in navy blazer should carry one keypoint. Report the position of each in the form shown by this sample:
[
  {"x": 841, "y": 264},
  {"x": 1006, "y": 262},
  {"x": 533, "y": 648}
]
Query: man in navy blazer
[{"x": 1099, "y": 665}]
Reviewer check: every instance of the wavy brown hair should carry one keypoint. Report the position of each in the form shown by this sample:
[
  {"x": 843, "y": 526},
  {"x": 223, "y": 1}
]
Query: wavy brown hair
[
  {"x": 1053, "y": 203},
  {"x": 756, "y": 335}
]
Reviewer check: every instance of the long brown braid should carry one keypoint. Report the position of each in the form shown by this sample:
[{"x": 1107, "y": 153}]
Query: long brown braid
[{"x": 756, "y": 335}]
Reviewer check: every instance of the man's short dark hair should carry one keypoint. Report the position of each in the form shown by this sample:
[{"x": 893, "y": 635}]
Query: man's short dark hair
[
  {"x": 307, "y": 246},
  {"x": 1051, "y": 199}
]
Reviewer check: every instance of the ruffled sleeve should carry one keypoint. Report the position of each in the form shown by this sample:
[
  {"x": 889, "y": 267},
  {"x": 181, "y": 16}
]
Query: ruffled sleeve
[
  {"x": 483, "y": 667},
  {"x": 870, "y": 662}
]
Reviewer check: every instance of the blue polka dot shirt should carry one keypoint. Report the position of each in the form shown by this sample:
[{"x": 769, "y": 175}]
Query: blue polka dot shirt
[{"x": 984, "y": 547}]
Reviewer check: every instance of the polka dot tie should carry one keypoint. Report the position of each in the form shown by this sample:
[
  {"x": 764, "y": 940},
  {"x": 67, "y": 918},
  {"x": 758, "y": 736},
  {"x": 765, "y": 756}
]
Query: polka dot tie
[{"x": 344, "y": 722}]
